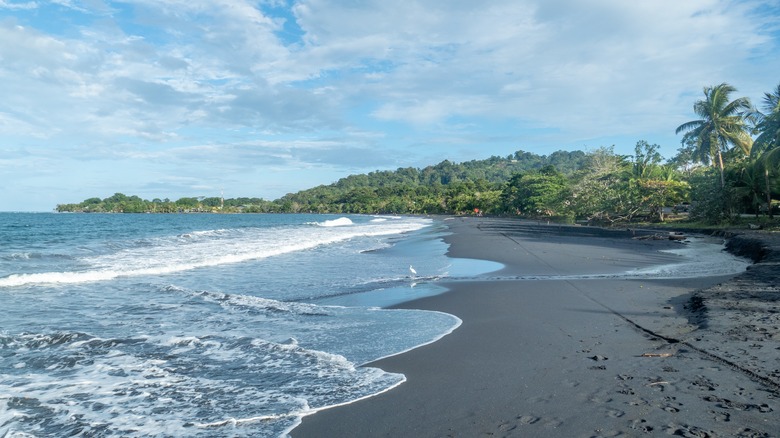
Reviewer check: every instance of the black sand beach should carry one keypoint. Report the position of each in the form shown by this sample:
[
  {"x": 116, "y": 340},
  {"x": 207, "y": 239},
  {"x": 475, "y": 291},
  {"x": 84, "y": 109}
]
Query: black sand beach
[{"x": 612, "y": 357}]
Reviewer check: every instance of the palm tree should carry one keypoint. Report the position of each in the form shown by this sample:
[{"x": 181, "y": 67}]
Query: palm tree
[
  {"x": 722, "y": 124},
  {"x": 767, "y": 123}
]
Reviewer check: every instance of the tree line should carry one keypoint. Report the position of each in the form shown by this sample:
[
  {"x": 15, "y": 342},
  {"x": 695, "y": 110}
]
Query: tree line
[{"x": 728, "y": 164}]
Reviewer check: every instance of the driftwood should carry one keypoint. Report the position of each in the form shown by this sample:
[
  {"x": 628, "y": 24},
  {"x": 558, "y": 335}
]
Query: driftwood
[{"x": 671, "y": 236}]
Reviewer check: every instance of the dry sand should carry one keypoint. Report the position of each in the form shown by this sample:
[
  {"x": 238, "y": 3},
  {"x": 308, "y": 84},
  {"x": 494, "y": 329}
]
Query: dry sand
[{"x": 587, "y": 358}]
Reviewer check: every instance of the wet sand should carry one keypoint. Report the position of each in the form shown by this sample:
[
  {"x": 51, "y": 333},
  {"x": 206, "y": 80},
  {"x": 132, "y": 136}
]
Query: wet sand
[{"x": 613, "y": 357}]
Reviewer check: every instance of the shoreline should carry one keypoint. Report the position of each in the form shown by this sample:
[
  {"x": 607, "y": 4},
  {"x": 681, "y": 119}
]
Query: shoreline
[{"x": 574, "y": 358}]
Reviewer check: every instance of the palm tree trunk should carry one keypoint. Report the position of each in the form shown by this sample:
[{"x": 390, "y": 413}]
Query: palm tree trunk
[
  {"x": 722, "y": 177},
  {"x": 768, "y": 193}
]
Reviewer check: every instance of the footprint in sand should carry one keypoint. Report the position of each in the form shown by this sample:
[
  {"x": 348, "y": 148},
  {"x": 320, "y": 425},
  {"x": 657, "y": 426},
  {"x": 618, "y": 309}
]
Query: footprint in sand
[
  {"x": 728, "y": 404},
  {"x": 600, "y": 398},
  {"x": 507, "y": 427},
  {"x": 721, "y": 416},
  {"x": 641, "y": 425},
  {"x": 528, "y": 419},
  {"x": 598, "y": 358},
  {"x": 671, "y": 405},
  {"x": 687, "y": 431},
  {"x": 703, "y": 383},
  {"x": 639, "y": 402},
  {"x": 752, "y": 433}
]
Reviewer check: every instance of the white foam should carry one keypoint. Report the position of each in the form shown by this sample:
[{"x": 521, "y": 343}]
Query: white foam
[
  {"x": 260, "y": 303},
  {"x": 162, "y": 396},
  {"x": 201, "y": 249},
  {"x": 340, "y": 222},
  {"x": 307, "y": 412},
  {"x": 239, "y": 421},
  {"x": 57, "y": 277}
]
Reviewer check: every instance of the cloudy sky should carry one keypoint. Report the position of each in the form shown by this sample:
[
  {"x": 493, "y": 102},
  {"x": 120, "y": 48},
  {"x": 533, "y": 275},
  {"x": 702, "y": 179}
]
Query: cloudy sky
[{"x": 173, "y": 98}]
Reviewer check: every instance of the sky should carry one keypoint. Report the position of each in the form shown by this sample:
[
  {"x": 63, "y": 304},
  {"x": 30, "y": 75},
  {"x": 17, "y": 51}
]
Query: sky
[{"x": 180, "y": 98}]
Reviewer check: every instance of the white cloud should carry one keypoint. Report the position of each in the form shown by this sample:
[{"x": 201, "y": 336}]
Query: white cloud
[
  {"x": 516, "y": 59},
  {"x": 4, "y": 4},
  {"x": 535, "y": 60}
]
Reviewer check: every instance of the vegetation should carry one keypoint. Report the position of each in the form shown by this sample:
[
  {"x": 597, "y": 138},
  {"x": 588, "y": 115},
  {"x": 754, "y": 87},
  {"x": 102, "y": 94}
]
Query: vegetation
[
  {"x": 718, "y": 174},
  {"x": 722, "y": 124},
  {"x": 121, "y": 203}
]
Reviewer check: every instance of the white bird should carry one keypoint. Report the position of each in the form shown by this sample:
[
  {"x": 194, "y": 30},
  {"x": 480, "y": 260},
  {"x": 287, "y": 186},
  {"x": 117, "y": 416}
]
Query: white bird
[{"x": 411, "y": 269}]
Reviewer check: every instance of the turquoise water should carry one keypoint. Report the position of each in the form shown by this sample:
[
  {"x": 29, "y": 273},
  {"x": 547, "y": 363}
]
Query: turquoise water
[{"x": 204, "y": 325}]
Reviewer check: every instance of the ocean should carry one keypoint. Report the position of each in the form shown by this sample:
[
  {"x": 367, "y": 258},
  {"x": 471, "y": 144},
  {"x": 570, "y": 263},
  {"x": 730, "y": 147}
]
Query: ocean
[
  {"x": 204, "y": 324},
  {"x": 209, "y": 325}
]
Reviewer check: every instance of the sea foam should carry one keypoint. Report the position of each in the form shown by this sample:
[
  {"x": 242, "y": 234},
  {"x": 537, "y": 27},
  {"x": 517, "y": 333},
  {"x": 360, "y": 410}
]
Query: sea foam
[
  {"x": 340, "y": 222},
  {"x": 199, "y": 249}
]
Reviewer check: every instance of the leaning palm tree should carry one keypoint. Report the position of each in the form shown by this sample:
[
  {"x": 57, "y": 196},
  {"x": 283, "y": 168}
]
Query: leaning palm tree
[
  {"x": 722, "y": 125},
  {"x": 767, "y": 123}
]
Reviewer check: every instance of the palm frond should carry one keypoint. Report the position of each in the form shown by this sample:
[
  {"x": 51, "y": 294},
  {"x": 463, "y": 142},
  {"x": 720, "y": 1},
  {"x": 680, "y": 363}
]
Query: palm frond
[
  {"x": 772, "y": 101},
  {"x": 688, "y": 126},
  {"x": 737, "y": 106}
]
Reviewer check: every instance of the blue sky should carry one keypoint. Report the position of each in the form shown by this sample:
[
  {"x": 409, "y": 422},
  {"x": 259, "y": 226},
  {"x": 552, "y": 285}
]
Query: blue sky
[{"x": 173, "y": 98}]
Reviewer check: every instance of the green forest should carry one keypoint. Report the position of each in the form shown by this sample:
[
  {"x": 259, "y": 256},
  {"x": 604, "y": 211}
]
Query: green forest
[{"x": 728, "y": 166}]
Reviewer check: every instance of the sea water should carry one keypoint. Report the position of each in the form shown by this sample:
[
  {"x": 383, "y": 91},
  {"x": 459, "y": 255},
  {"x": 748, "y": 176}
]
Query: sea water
[{"x": 201, "y": 324}]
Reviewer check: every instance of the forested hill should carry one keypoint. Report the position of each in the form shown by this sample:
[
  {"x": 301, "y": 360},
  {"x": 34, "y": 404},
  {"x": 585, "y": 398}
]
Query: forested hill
[
  {"x": 493, "y": 170},
  {"x": 595, "y": 186},
  {"x": 446, "y": 187}
]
